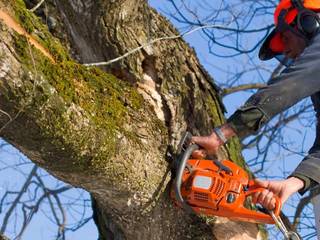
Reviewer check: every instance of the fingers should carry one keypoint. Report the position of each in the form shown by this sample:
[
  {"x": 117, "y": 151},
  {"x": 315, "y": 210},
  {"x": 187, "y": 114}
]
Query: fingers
[
  {"x": 261, "y": 183},
  {"x": 198, "y": 154},
  {"x": 255, "y": 197},
  {"x": 201, "y": 141},
  {"x": 209, "y": 143},
  {"x": 265, "y": 198},
  {"x": 272, "y": 204}
]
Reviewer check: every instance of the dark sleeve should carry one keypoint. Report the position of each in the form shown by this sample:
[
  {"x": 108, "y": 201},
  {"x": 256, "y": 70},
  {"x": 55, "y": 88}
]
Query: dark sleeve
[
  {"x": 308, "y": 182},
  {"x": 309, "y": 169},
  {"x": 247, "y": 120},
  {"x": 297, "y": 82}
]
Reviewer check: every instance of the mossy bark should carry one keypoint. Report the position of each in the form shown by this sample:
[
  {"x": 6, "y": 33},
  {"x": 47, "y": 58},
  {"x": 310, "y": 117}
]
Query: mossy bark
[{"x": 112, "y": 131}]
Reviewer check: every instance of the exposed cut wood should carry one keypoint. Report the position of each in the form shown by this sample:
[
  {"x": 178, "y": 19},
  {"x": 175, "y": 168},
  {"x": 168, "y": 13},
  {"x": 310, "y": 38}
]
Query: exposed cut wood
[{"x": 11, "y": 23}]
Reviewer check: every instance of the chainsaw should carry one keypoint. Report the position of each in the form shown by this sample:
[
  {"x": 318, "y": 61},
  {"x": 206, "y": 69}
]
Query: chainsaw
[{"x": 219, "y": 188}]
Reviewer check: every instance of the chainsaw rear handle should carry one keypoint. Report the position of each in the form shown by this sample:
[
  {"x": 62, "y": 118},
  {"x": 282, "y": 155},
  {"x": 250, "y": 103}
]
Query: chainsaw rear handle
[
  {"x": 253, "y": 188},
  {"x": 276, "y": 210},
  {"x": 242, "y": 213},
  {"x": 178, "y": 181}
]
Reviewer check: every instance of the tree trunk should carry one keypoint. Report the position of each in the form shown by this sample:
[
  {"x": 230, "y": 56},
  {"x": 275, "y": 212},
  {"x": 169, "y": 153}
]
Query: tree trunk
[{"x": 116, "y": 137}]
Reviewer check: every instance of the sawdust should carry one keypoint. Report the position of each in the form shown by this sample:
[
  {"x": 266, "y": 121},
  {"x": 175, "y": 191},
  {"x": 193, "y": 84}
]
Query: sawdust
[{"x": 12, "y": 24}]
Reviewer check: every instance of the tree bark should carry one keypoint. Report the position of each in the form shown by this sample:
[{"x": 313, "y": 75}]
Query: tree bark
[
  {"x": 2, "y": 237},
  {"x": 116, "y": 137}
]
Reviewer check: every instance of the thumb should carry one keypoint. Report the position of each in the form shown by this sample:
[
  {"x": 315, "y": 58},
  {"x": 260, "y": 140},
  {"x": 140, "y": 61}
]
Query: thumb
[
  {"x": 261, "y": 183},
  {"x": 198, "y": 154},
  {"x": 198, "y": 140}
]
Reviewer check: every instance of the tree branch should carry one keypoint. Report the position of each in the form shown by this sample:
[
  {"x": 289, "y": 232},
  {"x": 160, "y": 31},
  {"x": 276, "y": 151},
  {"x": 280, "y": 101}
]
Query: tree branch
[
  {"x": 303, "y": 202},
  {"x": 37, "y": 6},
  {"x": 151, "y": 43},
  {"x": 227, "y": 91},
  {"x": 17, "y": 199}
]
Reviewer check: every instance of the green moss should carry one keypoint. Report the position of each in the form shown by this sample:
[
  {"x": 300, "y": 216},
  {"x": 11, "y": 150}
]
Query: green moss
[
  {"x": 234, "y": 152},
  {"x": 39, "y": 31},
  {"x": 21, "y": 45},
  {"x": 26, "y": 18},
  {"x": 102, "y": 96},
  {"x": 106, "y": 100},
  {"x": 214, "y": 112}
]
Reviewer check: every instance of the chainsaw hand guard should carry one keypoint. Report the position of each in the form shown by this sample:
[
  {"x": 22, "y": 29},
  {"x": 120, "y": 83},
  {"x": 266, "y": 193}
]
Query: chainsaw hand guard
[{"x": 180, "y": 171}]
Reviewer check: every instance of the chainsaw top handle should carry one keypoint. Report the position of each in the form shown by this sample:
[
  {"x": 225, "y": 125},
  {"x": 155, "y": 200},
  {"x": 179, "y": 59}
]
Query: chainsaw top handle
[{"x": 186, "y": 155}]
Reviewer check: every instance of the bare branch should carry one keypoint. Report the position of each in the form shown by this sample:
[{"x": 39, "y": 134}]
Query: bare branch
[
  {"x": 37, "y": 6},
  {"x": 17, "y": 199},
  {"x": 151, "y": 43},
  {"x": 227, "y": 91},
  {"x": 303, "y": 202}
]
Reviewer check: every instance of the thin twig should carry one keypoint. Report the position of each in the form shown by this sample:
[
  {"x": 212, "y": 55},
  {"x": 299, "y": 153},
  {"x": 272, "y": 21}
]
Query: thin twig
[
  {"x": 37, "y": 6},
  {"x": 10, "y": 121},
  {"x": 227, "y": 91},
  {"x": 17, "y": 199},
  {"x": 303, "y": 202},
  {"x": 153, "y": 42},
  {"x": 7, "y": 114}
]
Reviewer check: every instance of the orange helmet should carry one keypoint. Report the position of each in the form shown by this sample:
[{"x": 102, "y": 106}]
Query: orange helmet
[{"x": 285, "y": 14}]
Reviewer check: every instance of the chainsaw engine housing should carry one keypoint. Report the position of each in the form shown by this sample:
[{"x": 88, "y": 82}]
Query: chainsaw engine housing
[{"x": 215, "y": 188}]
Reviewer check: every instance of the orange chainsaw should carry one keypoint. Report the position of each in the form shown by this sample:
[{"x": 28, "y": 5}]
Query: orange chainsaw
[{"x": 219, "y": 188}]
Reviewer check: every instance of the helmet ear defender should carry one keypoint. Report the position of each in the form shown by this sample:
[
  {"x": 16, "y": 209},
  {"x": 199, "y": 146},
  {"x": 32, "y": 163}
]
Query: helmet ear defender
[
  {"x": 298, "y": 16},
  {"x": 308, "y": 22}
]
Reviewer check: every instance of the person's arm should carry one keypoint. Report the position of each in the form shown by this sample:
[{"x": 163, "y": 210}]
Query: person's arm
[
  {"x": 305, "y": 176},
  {"x": 309, "y": 168},
  {"x": 294, "y": 84},
  {"x": 308, "y": 182}
]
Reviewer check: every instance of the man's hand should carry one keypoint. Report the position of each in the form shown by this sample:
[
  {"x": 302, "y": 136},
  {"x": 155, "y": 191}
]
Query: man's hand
[
  {"x": 211, "y": 143},
  {"x": 283, "y": 189}
]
